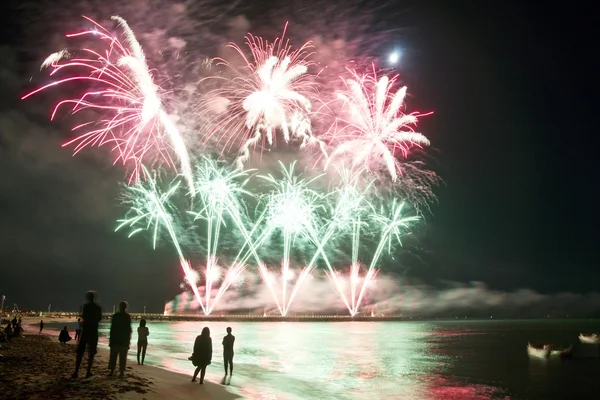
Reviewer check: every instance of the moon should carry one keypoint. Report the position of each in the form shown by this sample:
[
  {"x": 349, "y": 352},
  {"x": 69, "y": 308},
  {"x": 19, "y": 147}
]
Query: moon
[{"x": 394, "y": 57}]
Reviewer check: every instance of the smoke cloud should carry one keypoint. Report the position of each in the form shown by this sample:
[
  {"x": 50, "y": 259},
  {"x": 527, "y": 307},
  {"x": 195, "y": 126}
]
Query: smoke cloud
[{"x": 390, "y": 295}]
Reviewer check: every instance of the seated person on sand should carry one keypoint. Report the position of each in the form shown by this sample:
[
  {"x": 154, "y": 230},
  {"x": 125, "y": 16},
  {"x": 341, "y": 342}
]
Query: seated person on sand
[
  {"x": 10, "y": 332},
  {"x": 64, "y": 336}
]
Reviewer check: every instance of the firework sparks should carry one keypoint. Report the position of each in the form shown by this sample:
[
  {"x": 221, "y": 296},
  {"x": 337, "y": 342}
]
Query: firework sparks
[
  {"x": 349, "y": 217},
  {"x": 220, "y": 191},
  {"x": 269, "y": 97},
  {"x": 292, "y": 208},
  {"x": 151, "y": 209},
  {"x": 121, "y": 89},
  {"x": 270, "y": 94},
  {"x": 377, "y": 129},
  {"x": 351, "y": 207},
  {"x": 393, "y": 224}
]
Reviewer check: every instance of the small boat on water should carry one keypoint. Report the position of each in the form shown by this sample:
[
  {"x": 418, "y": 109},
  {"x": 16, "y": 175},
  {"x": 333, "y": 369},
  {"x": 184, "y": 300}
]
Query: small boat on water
[
  {"x": 592, "y": 338},
  {"x": 557, "y": 352},
  {"x": 539, "y": 351}
]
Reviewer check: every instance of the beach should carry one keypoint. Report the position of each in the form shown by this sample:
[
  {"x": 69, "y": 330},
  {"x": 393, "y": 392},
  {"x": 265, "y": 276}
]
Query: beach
[
  {"x": 36, "y": 367},
  {"x": 395, "y": 360}
]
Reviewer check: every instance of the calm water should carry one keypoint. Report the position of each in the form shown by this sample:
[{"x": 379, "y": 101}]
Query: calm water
[{"x": 389, "y": 360}]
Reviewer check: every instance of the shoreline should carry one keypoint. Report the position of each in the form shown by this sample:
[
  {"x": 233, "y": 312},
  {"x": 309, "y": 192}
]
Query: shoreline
[
  {"x": 72, "y": 317},
  {"x": 38, "y": 367}
]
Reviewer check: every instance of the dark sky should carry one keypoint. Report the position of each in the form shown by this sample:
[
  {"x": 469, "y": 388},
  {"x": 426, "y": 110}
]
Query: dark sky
[{"x": 513, "y": 87}]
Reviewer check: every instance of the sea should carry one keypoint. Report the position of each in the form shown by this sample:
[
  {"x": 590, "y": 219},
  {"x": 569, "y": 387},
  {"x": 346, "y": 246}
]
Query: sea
[{"x": 435, "y": 359}]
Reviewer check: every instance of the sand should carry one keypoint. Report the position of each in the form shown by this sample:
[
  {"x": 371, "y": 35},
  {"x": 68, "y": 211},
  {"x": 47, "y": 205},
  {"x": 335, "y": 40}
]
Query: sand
[{"x": 35, "y": 367}]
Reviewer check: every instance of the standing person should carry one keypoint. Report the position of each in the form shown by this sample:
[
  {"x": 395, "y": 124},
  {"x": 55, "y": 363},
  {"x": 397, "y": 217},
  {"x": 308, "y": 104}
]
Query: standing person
[
  {"x": 41, "y": 326},
  {"x": 142, "y": 343},
  {"x": 91, "y": 315},
  {"x": 228, "y": 341},
  {"x": 202, "y": 355},
  {"x": 78, "y": 329},
  {"x": 119, "y": 340}
]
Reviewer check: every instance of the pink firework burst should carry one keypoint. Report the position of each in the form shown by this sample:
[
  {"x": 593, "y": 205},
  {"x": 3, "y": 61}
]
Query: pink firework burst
[
  {"x": 120, "y": 89},
  {"x": 270, "y": 93},
  {"x": 374, "y": 129}
]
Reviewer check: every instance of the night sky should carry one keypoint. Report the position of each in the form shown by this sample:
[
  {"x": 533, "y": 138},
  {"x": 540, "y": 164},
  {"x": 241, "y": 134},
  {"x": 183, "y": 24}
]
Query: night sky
[{"x": 513, "y": 88}]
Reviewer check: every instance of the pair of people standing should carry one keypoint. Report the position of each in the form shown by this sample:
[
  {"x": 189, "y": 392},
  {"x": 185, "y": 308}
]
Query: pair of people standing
[
  {"x": 202, "y": 356},
  {"x": 119, "y": 340}
]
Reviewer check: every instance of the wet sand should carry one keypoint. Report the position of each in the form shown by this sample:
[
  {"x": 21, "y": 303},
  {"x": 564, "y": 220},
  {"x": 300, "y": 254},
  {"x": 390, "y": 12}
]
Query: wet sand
[{"x": 36, "y": 367}]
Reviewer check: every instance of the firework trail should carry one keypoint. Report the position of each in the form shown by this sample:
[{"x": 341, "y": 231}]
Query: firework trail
[
  {"x": 292, "y": 208},
  {"x": 377, "y": 129},
  {"x": 270, "y": 93},
  {"x": 121, "y": 88},
  {"x": 351, "y": 206},
  {"x": 220, "y": 191},
  {"x": 393, "y": 224},
  {"x": 150, "y": 209},
  {"x": 352, "y": 215}
]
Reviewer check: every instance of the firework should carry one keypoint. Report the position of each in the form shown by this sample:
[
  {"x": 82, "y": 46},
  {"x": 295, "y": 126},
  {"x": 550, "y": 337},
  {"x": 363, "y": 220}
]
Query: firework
[
  {"x": 377, "y": 130},
  {"x": 348, "y": 287},
  {"x": 121, "y": 90},
  {"x": 220, "y": 190},
  {"x": 351, "y": 207},
  {"x": 292, "y": 209},
  {"x": 393, "y": 224},
  {"x": 269, "y": 94},
  {"x": 151, "y": 209},
  {"x": 353, "y": 215}
]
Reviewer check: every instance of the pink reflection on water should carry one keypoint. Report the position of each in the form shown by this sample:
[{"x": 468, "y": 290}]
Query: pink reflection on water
[{"x": 444, "y": 389}]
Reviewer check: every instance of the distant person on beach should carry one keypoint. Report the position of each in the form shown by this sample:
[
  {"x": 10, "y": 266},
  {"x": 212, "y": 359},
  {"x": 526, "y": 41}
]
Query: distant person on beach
[
  {"x": 228, "y": 341},
  {"x": 64, "y": 336},
  {"x": 142, "y": 342},
  {"x": 78, "y": 329},
  {"x": 8, "y": 330},
  {"x": 202, "y": 355},
  {"x": 41, "y": 326},
  {"x": 14, "y": 322},
  {"x": 91, "y": 315},
  {"x": 19, "y": 329},
  {"x": 119, "y": 340}
]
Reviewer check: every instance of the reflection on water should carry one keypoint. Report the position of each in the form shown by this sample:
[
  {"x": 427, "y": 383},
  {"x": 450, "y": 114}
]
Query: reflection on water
[{"x": 391, "y": 360}]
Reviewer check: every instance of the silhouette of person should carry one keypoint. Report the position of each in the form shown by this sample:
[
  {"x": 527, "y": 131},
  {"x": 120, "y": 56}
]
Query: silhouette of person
[
  {"x": 78, "y": 329},
  {"x": 8, "y": 330},
  {"x": 64, "y": 336},
  {"x": 41, "y": 326},
  {"x": 91, "y": 315},
  {"x": 202, "y": 355},
  {"x": 119, "y": 340},
  {"x": 142, "y": 343},
  {"x": 228, "y": 351},
  {"x": 14, "y": 322}
]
